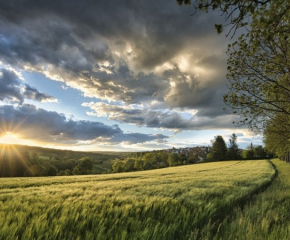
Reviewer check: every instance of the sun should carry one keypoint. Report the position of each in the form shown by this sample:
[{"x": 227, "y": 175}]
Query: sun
[
  {"x": 10, "y": 138},
  {"x": 13, "y": 163}
]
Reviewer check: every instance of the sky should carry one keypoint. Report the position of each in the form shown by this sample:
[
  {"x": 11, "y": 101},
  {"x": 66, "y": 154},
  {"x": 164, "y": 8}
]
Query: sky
[{"x": 108, "y": 75}]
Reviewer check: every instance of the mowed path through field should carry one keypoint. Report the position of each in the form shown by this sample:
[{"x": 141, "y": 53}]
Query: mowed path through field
[{"x": 172, "y": 203}]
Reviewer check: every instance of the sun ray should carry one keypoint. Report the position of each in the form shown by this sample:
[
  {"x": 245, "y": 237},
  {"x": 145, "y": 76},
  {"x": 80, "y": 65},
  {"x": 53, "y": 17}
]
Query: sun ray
[
  {"x": 9, "y": 153},
  {"x": 21, "y": 157},
  {"x": 18, "y": 125},
  {"x": 3, "y": 150},
  {"x": 11, "y": 160},
  {"x": 3, "y": 128},
  {"x": 10, "y": 126},
  {"x": 9, "y": 138}
]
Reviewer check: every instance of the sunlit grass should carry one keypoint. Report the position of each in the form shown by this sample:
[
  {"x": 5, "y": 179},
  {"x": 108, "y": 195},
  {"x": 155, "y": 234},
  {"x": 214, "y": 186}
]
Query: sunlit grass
[
  {"x": 172, "y": 203},
  {"x": 266, "y": 216}
]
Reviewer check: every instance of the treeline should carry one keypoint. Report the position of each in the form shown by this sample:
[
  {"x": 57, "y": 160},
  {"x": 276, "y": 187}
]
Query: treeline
[
  {"x": 150, "y": 160},
  {"x": 14, "y": 162},
  {"x": 256, "y": 152},
  {"x": 164, "y": 158},
  {"x": 220, "y": 151}
]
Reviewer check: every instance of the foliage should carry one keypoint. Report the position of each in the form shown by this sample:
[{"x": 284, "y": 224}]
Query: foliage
[
  {"x": 118, "y": 166},
  {"x": 209, "y": 157},
  {"x": 255, "y": 152},
  {"x": 84, "y": 167},
  {"x": 172, "y": 203},
  {"x": 258, "y": 68},
  {"x": 129, "y": 165},
  {"x": 139, "y": 162},
  {"x": 276, "y": 135},
  {"x": 219, "y": 148},
  {"x": 158, "y": 159},
  {"x": 236, "y": 12},
  {"x": 258, "y": 73},
  {"x": 174, "y": 159},
  {"x": 260, "y": 152},
  {"x": 233, "y": 150},
  {"x": 197, "y": 152},
  {"x": 250, "y": 151}
]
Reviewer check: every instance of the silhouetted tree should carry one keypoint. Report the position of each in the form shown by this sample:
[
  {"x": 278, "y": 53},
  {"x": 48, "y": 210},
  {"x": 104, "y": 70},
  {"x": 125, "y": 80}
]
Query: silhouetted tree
[
  {"x": 250, "y": 154},
  {"x": 233, "y": 151},
  {"x": 219, "y": 148}
]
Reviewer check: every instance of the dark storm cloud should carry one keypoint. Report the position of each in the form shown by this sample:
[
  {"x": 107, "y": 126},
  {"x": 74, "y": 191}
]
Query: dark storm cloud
[
  {"x": 128, "y": 52},
  {"x": 192, "y": 92},
  {"x": 153, "y": 25},
  {"x": 13, "y": 89},
  {"x": 10, "y": 86},
  {"x": 160, "y": 119},
  {"x": 47, "y": 126},
  {"x": 61, "y": 57},
  {"x": 131, "y": 138},
  {"x": 33, "y": 93}
]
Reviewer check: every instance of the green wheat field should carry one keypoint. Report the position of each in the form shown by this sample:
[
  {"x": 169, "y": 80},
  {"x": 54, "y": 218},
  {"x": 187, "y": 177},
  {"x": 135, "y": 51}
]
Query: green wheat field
[{"x": 221, "y": 200}]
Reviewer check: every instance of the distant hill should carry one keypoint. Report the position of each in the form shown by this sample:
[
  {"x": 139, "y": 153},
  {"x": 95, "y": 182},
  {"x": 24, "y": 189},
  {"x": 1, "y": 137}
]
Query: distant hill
[{"x": 21, "y": 160}]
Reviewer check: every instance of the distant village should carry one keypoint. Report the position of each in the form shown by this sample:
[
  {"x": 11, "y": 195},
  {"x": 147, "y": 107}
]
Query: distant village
[{"x": 194, "y": 153}]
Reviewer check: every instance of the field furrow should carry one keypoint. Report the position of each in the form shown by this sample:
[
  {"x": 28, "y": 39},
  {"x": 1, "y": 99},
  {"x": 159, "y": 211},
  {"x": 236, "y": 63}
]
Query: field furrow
[{"x": 265, "y": 217}]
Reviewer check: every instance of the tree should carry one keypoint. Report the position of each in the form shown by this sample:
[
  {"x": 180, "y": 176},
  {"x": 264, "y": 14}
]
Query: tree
[
  {"x": 118, "y": 166},
  {"x": 147, "y": 165},
  {"x": 276, "y": 135},
  {"x": 151, "y": 158},
  {"x": 51, "y": 170},
  {"x": 219, "y": 148},
  {"x": 129, "y": 165},
  {"x": 260, "y": 151},
  {"x": 139, "y": 164},
  {"x": 244, "y": 153},
  {"x": 258, "y": 68},
  {"x": 250, "y": 154},
  {"x": 233, "y": 151},
  {"x": 84, "y": 167},
  {"x": 209, "y": 157},
  {"x": 236, "y": 12},
  {"x": 173, "y": 159},
  {"x": 163, "y": 156}
]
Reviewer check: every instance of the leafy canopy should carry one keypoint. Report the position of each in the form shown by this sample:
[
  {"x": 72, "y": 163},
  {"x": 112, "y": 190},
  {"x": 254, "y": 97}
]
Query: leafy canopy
[
  {"x": 219, "y": 148},
  {"x": 236, "y": 12}
]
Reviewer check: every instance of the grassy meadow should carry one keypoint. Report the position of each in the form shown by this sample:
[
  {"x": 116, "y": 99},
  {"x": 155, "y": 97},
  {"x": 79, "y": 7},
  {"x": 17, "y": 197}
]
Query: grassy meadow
[
  {"x": 266, "y": 216},
  {"x": 186, "y": 202}
]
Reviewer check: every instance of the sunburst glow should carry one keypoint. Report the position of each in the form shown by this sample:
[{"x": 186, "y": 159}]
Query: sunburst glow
[
  {"x": 9, "y": 138},
  {"x": 13, "y": 162}
]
